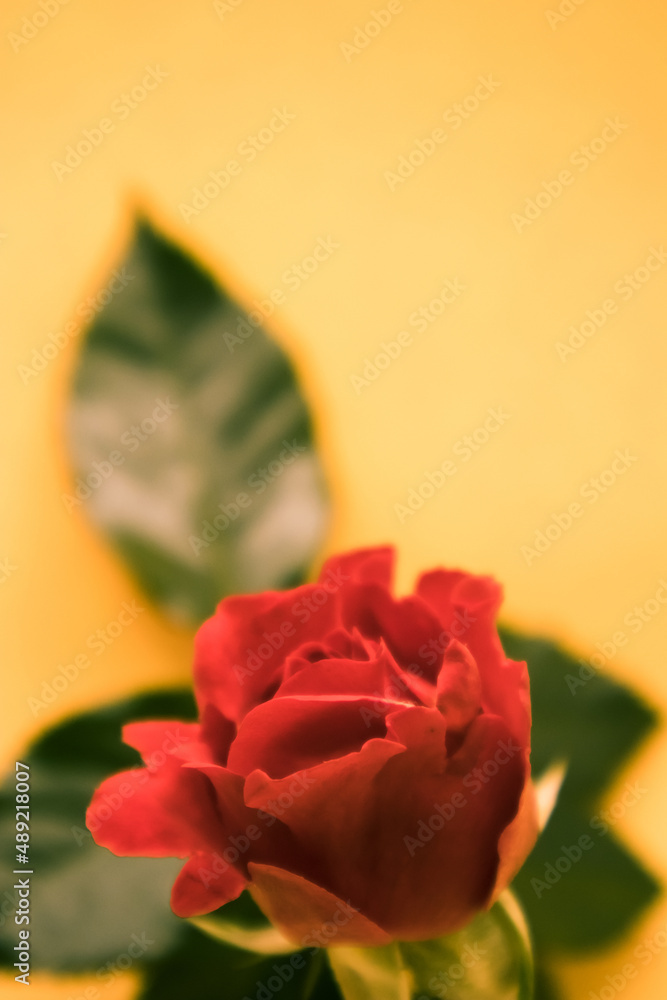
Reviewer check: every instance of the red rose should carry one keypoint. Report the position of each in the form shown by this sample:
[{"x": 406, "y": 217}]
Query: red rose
[{"x": 361, "y": 763}]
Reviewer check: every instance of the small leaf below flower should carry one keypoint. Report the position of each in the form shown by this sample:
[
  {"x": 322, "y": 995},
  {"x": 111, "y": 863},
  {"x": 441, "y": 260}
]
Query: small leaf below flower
[
  {"x": 371, "y": 972},
  {"x": 490, "y": 959}
]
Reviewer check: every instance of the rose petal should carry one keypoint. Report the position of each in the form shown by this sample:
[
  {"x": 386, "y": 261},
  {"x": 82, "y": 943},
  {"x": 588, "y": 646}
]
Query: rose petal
[
  {"x": 217, "y": 732},
  {"x": 518, "y": 839},
  {"x": 337, "y": 644},
  {"x": 292, "y": 733},
  {"x": 154, "y": 740},
  {"x": 406, "y": 626},
  {"x": 467, "y": 607},
  {"x": 373, "y": 565},
  {"x": 292, "y": 800},
  {"x": 167, "y": 812},
  {"x": 203, "y": 884},
  {"x": 459, "y": 686},
  {"x": 240, "y": 651},
  {"x": 363, "y": 822},
  {"x": 437, "y": 588},
  {"x": 417, "y": 727},
  {"x": 207, "y": 743},
  {"x": 439, "y": 882},
  {"x": 309, "y": 915},
  {"x": 376, "y": 678},
  {"x": 227, "y": 790},
  {"x": 252, "y": 834}
]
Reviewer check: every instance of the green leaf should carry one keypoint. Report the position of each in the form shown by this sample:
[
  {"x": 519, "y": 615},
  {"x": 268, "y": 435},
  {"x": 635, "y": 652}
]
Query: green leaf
[
  {"x": 86, "y": 904},
  {"x": 371, "y": 972},
  {"x": 191, "y": 441},
  {"x": 263, "y": 940},
  {"x": 490, "y": 959},
  {"x": 592, "y": 726},
  {"x": 200, "y": 968},
  {"x": 546, "y": 987},
  {"x": 580, "y": 900}
]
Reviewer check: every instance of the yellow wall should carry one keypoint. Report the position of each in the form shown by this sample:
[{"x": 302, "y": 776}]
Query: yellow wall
[{"x": 324, "y": 176}]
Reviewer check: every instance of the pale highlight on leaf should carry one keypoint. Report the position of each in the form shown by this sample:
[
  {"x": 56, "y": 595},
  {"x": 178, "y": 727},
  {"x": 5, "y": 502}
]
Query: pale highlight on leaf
[
  {"x": 547, "y": 790},
  {"x": 371, "y": 972},
  {"x": 262, "y": 940}
]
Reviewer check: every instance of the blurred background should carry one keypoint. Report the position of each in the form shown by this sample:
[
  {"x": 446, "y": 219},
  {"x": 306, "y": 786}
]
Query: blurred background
[{"x": 488, "y": 182}]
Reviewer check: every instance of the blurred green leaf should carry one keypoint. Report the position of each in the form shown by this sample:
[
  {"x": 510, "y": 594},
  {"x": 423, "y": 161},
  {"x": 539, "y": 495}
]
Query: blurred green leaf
[
  {"x": 575, "y": 904},
  {"x": 371, "y": 972},
  {"x": 191, "y": 441},
  {"x": 264, "y": 939},
  {"x": 86, "y": 904},
  {"x": 546, "y": 987},
  {"x": 490, "y": 959},
  {"x": 200, "y": 968}
]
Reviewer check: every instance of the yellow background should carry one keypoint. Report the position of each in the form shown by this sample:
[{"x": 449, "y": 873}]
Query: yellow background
[{"x": 324, "y": 175}]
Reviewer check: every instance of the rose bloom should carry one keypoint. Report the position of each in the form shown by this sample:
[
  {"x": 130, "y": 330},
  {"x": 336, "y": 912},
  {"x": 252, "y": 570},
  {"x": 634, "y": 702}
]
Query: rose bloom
[{"x": 361, "y": 761}]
